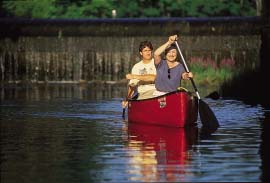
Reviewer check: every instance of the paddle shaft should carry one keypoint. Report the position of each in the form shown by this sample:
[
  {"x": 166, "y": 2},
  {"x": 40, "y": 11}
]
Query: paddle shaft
[
  {"x": 187, "y": 70},
  {"x": 130, "y": 91},
  {"x": 207, "y": 116}
]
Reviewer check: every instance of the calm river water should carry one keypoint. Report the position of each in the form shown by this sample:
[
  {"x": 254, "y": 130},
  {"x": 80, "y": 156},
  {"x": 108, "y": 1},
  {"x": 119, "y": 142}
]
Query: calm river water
[{"x": 75, "y": 133}]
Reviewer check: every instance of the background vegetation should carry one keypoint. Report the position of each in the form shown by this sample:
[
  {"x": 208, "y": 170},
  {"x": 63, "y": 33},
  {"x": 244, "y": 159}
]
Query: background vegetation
[
  {"x": 127, "y": 8},
  {"x": 207, "y": 72}
]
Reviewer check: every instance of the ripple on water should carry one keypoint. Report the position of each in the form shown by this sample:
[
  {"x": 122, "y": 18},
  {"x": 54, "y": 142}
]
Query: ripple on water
[{"x": 89, "y": 139}]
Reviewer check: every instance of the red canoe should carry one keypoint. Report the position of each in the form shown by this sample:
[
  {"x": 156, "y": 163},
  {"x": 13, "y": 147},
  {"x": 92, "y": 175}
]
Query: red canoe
[{"x": 175, "y": 109}]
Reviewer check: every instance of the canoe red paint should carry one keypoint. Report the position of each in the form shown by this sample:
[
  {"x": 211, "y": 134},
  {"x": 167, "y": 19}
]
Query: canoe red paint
[{"x": 175, "y": 109}]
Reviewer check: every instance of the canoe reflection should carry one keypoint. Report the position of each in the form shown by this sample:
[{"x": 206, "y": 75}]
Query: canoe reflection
[{"x": 161, "y": 145}]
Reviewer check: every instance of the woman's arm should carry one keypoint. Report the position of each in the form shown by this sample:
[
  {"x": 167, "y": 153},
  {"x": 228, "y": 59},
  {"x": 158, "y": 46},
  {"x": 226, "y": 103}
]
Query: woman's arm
[{"x": 161, "y": 49}]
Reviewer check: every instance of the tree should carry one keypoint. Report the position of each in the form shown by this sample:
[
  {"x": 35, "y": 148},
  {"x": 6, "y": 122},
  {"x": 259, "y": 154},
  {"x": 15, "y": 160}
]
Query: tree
[
  {"x": 31, "y": 9},
  {"x": 134, "y": 8}
]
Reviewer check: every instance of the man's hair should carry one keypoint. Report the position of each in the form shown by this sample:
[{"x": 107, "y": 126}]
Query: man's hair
[{"x": 145, "y": 44}]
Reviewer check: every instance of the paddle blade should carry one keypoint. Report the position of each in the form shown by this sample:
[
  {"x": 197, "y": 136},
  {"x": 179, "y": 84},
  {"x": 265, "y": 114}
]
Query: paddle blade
[
  {"x": 207, "y": 116},
  {"x": 123, "y": 113}
]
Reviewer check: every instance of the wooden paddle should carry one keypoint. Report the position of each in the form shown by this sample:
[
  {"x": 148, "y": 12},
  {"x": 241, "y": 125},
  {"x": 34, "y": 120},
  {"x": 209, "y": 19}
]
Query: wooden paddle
[
  {"x": 130, "y": 92},
  {"x": 207, "y": 116}
]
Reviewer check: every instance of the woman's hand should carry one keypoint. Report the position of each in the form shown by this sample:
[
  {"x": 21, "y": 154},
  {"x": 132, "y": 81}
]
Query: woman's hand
[
  {"x": 172, "y": 39},
  {"x": 187, "y": 75}
]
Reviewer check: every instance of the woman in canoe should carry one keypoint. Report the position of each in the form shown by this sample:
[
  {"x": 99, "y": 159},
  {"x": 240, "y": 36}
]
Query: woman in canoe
[{"x": 169, "y": 70}]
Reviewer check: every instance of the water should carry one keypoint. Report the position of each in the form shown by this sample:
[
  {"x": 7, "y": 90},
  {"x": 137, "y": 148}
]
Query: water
[{"x": 72, "y": 133}]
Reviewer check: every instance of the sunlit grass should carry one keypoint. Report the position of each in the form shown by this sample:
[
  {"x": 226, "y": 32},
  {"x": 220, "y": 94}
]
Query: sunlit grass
[
  {"x": 211, "y": 76},
  {"x": 208, "y": 73}
]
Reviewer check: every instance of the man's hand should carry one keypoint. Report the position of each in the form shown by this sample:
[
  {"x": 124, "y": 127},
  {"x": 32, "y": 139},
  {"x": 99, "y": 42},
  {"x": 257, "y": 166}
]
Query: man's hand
[
  {"x": 129, "y": 76},
  {"x": 124, "y": 104}
]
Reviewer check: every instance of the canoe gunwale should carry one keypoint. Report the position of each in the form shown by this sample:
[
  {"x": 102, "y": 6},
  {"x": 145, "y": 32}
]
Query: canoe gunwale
[{"x": 170, "y": 93}]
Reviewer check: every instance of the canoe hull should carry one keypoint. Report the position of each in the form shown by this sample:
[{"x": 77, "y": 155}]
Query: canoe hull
[{"x": 175, "y": 109}]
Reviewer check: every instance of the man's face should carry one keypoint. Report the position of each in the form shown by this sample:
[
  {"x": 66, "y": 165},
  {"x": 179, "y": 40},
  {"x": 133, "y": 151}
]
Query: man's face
[{"x": 146, "y": 53}]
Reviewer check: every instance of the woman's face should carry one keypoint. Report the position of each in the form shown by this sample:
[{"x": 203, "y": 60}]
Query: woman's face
[
  {"x": 171, "y": 55},
  {"x": 146, "y": 53}
]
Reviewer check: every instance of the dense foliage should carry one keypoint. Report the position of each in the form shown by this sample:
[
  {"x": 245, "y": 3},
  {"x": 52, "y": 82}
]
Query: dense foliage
[{"x": 126, "y": 8}]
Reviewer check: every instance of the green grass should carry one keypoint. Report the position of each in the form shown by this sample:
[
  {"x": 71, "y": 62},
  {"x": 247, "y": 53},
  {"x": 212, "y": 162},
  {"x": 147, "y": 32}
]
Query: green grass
[{"x": 208, "y": 76}]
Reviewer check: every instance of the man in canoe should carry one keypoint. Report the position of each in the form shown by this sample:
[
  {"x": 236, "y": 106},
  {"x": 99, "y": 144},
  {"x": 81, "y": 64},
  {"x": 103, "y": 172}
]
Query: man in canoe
[
  {"x": 169, "y": 70},
  {"x": 143, "y": 75}
]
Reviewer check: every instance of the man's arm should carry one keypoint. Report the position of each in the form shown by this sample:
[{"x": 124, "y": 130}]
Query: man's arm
[{"x": 145, "y": 77}]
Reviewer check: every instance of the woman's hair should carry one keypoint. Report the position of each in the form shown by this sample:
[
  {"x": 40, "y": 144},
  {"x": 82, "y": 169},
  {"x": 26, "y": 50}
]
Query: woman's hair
[
  {"x": 173, "y": 46},
  {"x": 145, "y": 44}
]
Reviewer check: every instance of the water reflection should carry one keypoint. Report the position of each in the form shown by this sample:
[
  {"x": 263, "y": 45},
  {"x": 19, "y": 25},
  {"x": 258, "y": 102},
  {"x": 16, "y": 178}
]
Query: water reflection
[
  {"x": 265, "y": 149},
  {"x": 33, "y": 92},
  {"x": 157, "y": 148}
]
